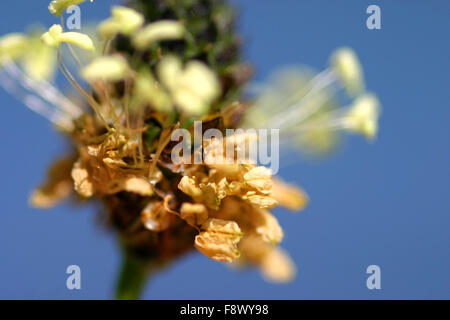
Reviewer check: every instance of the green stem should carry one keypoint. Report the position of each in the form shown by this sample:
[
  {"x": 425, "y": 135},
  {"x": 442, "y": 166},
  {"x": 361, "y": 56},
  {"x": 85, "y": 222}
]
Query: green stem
[{"x": 133, "y": 278}]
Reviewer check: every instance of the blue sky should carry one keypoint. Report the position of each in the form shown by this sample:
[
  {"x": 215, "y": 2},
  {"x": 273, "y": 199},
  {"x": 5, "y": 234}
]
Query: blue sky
[{"x": 385, "y": 203}]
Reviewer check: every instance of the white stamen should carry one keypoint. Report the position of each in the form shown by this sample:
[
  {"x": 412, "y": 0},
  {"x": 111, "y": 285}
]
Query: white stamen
[{"x": 42, "y": 89}]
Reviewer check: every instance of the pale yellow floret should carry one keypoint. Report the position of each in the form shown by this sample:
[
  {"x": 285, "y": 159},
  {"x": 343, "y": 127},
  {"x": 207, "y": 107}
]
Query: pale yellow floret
[
  {"x": 193, "y": 88},
  {"x": 55, "y": 36},
  {"x": 12, "y": 46},
  {"x": 124, "y": 20},
  {"x": 39, "y": 60},
  {"x": 363, "y": 116},
  {"x": 347, "y": 66},
  {"x": 168, "y": 71},
  {"x": 148, "y": 91},
  {"x": 56, "y": 7},
  {"x": 157, "y": 31},
  {"x": 108, "y": 68}
]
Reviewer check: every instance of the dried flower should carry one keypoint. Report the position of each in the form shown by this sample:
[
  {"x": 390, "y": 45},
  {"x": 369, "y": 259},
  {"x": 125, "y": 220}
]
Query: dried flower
[
  {"x": 194, "y": 214},
  {"x": 219, "y": 239}
]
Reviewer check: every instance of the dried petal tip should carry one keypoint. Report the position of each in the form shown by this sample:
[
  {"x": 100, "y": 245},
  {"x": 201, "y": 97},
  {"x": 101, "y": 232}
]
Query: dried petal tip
[
  {"x": 263, "y": 202},
  {"x": 267, "y": 226},
  {"x": 131, "y": 183},
  {"x": 56, "y": 7},
  {"x": 347, "y": 66},
  {"x": 259, "y": 178},
  {"x": 189, "y": 187},
  {"x": 219, "y": 240},
  {"x": 289, "y": 196},
  {"x": 277, "y": 266}
]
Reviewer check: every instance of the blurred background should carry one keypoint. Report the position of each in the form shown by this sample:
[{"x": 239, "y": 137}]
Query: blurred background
[{"x": 385, "y": 203}]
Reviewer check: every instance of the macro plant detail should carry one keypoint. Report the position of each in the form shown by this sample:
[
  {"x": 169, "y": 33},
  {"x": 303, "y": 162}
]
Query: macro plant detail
[{"x": 155, "y": 67}]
